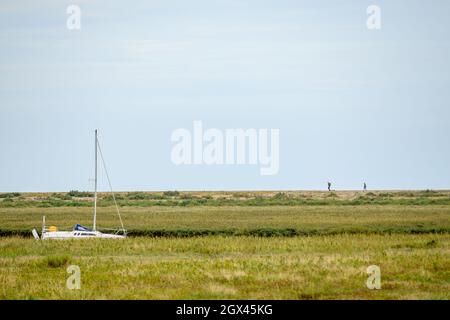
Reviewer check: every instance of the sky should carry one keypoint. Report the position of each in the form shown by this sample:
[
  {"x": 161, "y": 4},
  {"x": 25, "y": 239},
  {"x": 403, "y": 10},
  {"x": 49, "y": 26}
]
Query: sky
[{"x": 352, "y": 105}]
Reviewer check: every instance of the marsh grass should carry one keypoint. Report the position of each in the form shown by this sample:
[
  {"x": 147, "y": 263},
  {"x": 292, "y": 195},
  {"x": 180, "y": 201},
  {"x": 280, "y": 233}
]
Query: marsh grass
[
  {"x": 216, "y": 267},
  {"x": 231, "y": 245},
  {"x": 229, "y": 220}
]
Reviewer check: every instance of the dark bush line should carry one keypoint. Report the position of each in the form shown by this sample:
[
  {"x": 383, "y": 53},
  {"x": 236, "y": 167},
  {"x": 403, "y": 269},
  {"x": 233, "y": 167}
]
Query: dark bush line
[
  {"x": 10, "y": 195},
  {"x": 186, "y": 233},
  {"x": 12, "y": 232},
  {"x": 80, "y": 194},
  {"x": 259, "y": 232}
]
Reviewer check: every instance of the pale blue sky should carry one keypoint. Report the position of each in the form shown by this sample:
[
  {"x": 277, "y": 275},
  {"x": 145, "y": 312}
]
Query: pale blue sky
[{"x": 352, "y": 105}]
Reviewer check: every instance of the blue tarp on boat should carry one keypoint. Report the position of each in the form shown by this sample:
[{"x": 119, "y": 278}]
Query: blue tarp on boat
[{"x": 79, "y": 227}]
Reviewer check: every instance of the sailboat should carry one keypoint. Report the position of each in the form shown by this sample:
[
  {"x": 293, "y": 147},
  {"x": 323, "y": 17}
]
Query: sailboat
[{"x": 78, "y": 231}]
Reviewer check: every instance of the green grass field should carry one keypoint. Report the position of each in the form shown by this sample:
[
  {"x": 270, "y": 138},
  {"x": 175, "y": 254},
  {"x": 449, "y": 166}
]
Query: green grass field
[
  {"x": 274, "y": 249},
  {"x": 305, "y": 219},
  {"x": 324, "y": 267}
]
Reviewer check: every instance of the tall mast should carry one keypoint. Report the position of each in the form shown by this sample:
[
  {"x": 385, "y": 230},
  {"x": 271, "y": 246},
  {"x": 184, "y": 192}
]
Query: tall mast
[{"x": 95, "y": 192}]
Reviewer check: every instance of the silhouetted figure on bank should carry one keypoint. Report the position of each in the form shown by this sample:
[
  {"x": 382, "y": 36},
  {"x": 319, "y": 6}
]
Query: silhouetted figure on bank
[
  {"x": 329, "y": 186},
  {"x": 365, "y": 186}
]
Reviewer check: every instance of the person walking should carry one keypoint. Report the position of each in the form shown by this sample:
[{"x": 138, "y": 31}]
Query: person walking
[
  {"x": 329, "y": 186},
  {"x": 365, "y": 186}
]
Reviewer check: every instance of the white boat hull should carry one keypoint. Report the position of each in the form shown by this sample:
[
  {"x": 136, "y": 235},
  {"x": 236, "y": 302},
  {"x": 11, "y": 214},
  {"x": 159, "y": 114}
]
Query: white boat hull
[{"x": 76, "y": 234}]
